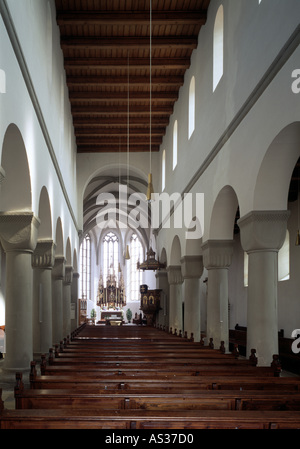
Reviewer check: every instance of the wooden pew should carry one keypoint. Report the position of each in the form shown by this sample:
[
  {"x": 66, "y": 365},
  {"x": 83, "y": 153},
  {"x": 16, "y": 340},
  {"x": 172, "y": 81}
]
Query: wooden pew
[
  {"x": 125, "y": 371},
  {"x": 289, "y": 360},
  {"x": 137, "y": 399},
  {"x": 142, "y": 384},
  {"x": 179, "y": 384},
  {"x": 199, "y": 369},
  {"x": 147, "y": 419},
  {"x": 199, "y": 400},
  {"x": 98, "y": 368}
]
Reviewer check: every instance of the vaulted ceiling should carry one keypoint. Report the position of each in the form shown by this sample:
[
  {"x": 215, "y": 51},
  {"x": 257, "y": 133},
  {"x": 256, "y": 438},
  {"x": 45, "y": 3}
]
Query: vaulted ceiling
[{"x": 106, "y": 48}]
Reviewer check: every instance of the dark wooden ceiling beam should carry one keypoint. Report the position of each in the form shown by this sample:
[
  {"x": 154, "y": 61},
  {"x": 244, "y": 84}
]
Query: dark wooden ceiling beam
[
  {"x": 161, "y": 42},
  {"x": 120, "y": 121},
  {"x": 94, "y": 97},
  {"x": 92, "y": 81},
  {"x": 114, "y": 140},
  {"x": 106, "y": 110},
  {"x": 122, "y": 63},
  {"x": 121, "y": 132},
  {"x": 139, "y": 148},
  {"x": 83, "y": 18}
]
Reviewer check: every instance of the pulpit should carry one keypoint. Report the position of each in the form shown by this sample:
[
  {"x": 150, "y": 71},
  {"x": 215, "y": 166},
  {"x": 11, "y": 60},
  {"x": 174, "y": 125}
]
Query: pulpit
[{"x": 150, "y": 303}]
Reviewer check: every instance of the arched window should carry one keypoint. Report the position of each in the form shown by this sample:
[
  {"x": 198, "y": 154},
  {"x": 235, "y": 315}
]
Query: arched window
[
  {"x": 218, "y": 47},
  {"x": 110, "y": 255},
  {"x": 175, "y": 144},
  {"x": 163, "y": 171},
  {"x": 85, "y": 268},
  {"x": 2, "y": 82},
  {"x": 134, "y": 276},
  {"x": 192, "y": 105}
]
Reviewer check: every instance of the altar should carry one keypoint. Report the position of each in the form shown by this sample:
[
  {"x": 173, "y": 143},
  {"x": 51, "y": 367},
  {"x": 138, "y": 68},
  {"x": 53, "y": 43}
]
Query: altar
[
  {"x": 111, "y": 298},
  {"x": 112, "y": 317}
]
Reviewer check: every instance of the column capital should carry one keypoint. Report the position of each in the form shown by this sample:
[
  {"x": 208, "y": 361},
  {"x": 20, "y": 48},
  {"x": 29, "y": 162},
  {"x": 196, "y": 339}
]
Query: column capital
[
  {"x": 68, "y": 275},
  {"x": 217, "y": 253},
  {"x": 44, "y": 254},
  {"x": 174, "y": 274},
  {"x": 263, "y": 230},
  {"x": 18, "y": 231},
  {"x": 192, "y": 267},
  {"x": 58, "y": 271},
  {"x": 161, "y": 273}
]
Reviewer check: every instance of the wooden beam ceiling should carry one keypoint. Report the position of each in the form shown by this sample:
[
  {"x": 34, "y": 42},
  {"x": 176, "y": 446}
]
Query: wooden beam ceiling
[{"x": 106, "y": 49}]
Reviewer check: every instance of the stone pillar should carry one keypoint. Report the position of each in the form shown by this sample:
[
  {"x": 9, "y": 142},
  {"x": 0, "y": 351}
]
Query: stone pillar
[
  {"x": 217, "y": 256},
  {"x": 18, "y": 233},
  {"x": 58, "y": 275},
  {"x": 67, "y": 300},
  {"x": 162, "y": 284},
  {"x": 74, "y": 302},
  {"x": 192, "y": 269},
  {"x": 175, "y": 311},
  {"x": 42, "y": 262},
  {"x": 262, "y": 235}
]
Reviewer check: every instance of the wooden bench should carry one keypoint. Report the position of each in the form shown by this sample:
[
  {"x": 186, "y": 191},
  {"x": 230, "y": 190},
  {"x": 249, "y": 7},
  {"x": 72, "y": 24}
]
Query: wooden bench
[
  {"x": 134, "y": 369},
  {"x": 179, "y": 384},
  {"x": 200, "y": 400},
  {"x": 198, "y": 368},
  {"x": 153, "y": 387},
  {"x": 289, "y": 360},
  {"x": 147, "y": 419}
]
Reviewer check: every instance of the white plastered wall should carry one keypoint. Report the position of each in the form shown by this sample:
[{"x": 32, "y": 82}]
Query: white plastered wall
[{"x": 36, "y": 102}]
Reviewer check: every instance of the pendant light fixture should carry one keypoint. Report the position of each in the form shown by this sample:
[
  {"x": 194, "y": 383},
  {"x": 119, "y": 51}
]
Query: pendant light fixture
[
  {"x": 127, "y": 255},
  {"x": 150, "y": 189}
]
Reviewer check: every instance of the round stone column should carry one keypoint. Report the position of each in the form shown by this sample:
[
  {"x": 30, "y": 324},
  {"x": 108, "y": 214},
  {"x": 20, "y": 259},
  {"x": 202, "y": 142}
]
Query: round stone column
[
  {"x": 262, "y": 235},
  {"x": 192, "y": 269},
  {"x": 217, "y": 256},
  {"x": 18, "y": 234},
  {"x": 67, "y": 300},
  {"x": 175, "y": 280},
  {"x": 163, "y": 284},
  {"x": 42, "y": 262},
  {"x": 74, "y": 302},
  {"x": 58, "y": 275}
]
